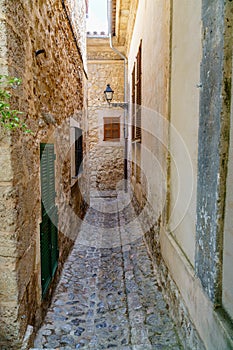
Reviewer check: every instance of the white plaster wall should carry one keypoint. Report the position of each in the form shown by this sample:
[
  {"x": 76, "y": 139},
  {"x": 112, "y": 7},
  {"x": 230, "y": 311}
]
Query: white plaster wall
[
  {"x": 185, "y": 75},
  {"x": 155, "y": 86}
]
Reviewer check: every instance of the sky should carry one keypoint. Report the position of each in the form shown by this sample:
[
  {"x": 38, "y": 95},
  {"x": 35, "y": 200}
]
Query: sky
[{"x": 97, "y": 16}]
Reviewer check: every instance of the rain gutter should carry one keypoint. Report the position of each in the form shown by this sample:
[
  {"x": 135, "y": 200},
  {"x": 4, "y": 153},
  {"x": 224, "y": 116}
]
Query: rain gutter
[{"x": 125, "y": 105}]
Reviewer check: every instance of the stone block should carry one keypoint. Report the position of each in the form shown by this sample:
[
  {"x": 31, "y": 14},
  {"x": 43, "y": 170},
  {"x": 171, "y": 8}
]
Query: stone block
[
  {"x": 8, "y": 310},
  {"x": 8, "y": 220},
  {"x": 25, "y": 269},
  {"x": 8, "y": 245},
  {"x": 6, "y": 173},
  {"x": 8, "y": 280},
  {"x": 9, "y": 334}
]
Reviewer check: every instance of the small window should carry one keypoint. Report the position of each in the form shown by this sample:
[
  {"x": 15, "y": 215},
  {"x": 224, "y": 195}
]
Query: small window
[
  {"x": 112, "y": 129},
  {"x": 78, "y": 151},
  {"x": 137, "y": 96}
]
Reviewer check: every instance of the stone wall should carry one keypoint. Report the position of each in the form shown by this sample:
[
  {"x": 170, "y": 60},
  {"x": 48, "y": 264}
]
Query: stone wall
[
  {"x": 52, "y": 89},
  {"x": 77, "y": 13},
  {"x": 106, "y": 159}
]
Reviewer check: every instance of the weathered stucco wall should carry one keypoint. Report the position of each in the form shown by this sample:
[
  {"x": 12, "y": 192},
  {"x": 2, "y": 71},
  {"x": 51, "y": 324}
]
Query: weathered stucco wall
[
  {"x": 174, "y": 257},
  {"x": 227, "y": 289},
  {"x": 52, "y": 90},
  {"x": 199, "y": 295},
  {"x": 213, "y": 141},
  {"x": 106, "y": 158},
  {"x": 155, "y": 125},
  {"x": 207, "y": 323}
]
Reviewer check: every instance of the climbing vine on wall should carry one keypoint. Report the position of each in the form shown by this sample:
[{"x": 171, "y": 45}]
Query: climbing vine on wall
[{"x": 10, "y": 119}]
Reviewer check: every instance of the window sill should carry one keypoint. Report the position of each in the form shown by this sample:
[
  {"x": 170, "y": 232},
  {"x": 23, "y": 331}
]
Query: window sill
[
  {"x": 108, "y": 143},
  {"x": 74, "y": 179},
  {"x": 137, "y": 141},
  {"x": 112, "y": 140}
]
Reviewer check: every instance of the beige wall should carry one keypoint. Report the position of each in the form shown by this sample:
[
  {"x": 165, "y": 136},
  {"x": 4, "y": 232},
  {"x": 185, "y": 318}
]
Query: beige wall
[
  {"x": 178, "y": 249},
  {"x": 185, "y": 75},
  {"x": 155, "y": 84},
  {"x": 172, "y": 247}
]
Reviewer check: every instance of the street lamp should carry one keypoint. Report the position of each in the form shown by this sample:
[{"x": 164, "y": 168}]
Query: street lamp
[{"x": 108, "y": 93}]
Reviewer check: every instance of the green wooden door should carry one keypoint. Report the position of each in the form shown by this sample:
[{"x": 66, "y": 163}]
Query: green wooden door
[{"x": 48, "y": 227}]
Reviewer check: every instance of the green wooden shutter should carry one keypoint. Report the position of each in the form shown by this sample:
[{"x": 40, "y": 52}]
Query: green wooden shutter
[
  {"x": 48, "y": 227},
  {"x": 54, "y": 241},
  {"x": 46, "y": 275}
]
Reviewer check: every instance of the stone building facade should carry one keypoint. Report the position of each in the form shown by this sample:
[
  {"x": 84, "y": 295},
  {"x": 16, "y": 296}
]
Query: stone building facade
[
  {"x": 106, "y": 157},
  {"x": 43, "y": 43}
]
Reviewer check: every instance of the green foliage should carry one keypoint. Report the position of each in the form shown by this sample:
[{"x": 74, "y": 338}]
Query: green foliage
[{"x": 10, "y": 118}]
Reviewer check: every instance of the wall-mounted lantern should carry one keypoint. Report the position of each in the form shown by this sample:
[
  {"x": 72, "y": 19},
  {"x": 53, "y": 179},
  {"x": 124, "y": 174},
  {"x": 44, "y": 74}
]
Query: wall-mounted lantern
[{"x": 108, "y": 93}]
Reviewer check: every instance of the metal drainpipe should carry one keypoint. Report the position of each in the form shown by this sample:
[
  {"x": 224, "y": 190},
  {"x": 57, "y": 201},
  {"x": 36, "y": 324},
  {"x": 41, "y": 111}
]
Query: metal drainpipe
[{"x": 125, "y": 92}]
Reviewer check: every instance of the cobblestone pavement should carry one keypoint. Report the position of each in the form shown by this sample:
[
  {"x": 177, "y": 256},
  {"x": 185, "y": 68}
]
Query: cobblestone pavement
[{"x": 108, "y": 296}]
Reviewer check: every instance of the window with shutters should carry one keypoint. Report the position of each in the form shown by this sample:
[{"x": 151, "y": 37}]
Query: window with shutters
[
  {"x": 49, "y": 214},
  {"x": 112, "y": 129},
  {"x": 136, "y": 116},
  {"x": 137, "y": 96},
  {"x": 78, "y": 151},
  {"x": 133, "y": 103}
]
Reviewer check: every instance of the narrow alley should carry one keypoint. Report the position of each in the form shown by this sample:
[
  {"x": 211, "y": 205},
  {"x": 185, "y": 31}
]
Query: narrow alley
[
  {"x": 108, "y": 296},
  {"x": 96, "y": 97}
]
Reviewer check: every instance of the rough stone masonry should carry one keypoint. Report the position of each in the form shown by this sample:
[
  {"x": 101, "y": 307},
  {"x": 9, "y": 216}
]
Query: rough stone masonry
[{"x": 38, "y": 46}]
